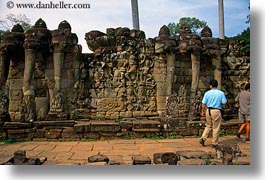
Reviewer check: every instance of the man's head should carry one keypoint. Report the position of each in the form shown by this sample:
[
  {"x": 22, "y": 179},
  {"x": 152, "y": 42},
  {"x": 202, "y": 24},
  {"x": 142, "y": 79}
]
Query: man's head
[
  {"x": 247, "y": 86},
  {"x": 213, "y": 83}
]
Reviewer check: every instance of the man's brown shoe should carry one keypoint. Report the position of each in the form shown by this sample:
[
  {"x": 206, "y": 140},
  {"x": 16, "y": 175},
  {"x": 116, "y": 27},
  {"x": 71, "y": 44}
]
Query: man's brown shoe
[
  {"x": 202, "y": 142},
  {"x": 238, "y": 135}
]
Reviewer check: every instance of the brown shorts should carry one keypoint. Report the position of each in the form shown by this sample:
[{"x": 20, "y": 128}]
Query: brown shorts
[{"x": 243, "y": 117}]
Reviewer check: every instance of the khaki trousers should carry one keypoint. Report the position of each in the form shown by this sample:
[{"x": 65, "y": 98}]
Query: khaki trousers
[{"x": 213, "y": 123}]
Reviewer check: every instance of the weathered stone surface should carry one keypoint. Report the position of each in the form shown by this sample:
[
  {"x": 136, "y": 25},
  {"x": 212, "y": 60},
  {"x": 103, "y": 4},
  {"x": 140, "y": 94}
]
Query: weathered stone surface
[
  {"x": 41, "y": 124},
  {"x": 126, "y": 76},
  {"x": 5, "y": 158},
  {"x": 223, "y": 149},
  {"x": 196, "y": 154},
  {"x": 192, "y": 162},
  {"x": 146, "y": 124},
  {"x": 98, "y": 158},
  {"x": 20, "y": 158},
  {"x": 104, "y": 126},
  {"x": 16, "y": 125},
  {"x": 168, "y": 157},
  {"x": 141, "y": 160}
]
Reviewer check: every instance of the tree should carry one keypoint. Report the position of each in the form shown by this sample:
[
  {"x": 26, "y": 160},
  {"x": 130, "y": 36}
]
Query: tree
[
  {"x": 11, "y": 20},
  {"x": 193, "y": 23},
  {"x": 245, "y": 35}
]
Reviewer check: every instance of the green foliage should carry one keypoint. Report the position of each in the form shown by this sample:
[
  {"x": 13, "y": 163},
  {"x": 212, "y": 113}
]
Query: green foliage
[
  {"x": 248, "y": 16},
  {"x": 9, "y": 141},
  {"x": 127, "y": 136},
  {"x": 172, "y": 135},
  {"x": 222, "y": 133},
  {"x": 245, "y": 35},
  {"x": 154, "y": 136},
  {"x": 193, "y": 23}
]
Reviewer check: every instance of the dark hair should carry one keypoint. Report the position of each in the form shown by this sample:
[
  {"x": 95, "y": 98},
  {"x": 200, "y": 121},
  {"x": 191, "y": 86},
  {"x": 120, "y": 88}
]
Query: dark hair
[
  {"x": 247, "y": 86},
  {"x": 214, "y": 83}
]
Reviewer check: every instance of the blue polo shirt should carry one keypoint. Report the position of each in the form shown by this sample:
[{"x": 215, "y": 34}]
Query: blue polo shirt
[{"x": 214, "y": 98}]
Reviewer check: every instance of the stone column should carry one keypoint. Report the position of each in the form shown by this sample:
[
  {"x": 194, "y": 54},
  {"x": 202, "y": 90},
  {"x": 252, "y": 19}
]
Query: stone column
[
  {"x": 4, "y": 64},
  {"x": 195, "y": 60},
  {"x": 170, "y": 72},
  {"x": 160, "y": 76},
  {"x": 216, "y": 61},
  {"x": 221, "y": 19},
  {"x": 164, "y": 69},
  {"x": 58, "y": 59},
  {"x": 30, "y": 58},
  {"x": 135, "y": 14}
]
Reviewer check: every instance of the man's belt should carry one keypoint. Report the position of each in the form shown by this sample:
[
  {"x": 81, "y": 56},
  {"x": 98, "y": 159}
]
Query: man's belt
[{"x": 210, "y": 108}]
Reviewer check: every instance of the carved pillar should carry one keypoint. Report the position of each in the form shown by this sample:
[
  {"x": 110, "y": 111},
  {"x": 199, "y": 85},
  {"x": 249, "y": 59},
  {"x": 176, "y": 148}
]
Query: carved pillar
[
  {"x": 160, "y": 76},
  {"x": 36, "y": 44},
  {"x": 58, "y": 59},
  {"x": 170, "y": 73},
  {"x": 216, "y": 62},
  {"x": 195, "y": 60},
  {"x": 4, "y": 65},
  {"x": 30, "y": 56},
  {"x": 11, "y": 50},
  {"x": 164, "y": 67}
]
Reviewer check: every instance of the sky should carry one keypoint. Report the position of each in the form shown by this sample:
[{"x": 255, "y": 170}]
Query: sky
[{"x": 153, "y": 14}]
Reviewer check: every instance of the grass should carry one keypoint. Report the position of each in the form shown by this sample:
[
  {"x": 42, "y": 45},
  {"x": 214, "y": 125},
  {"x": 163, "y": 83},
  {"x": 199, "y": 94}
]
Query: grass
[{"x": 127, "y": 136}]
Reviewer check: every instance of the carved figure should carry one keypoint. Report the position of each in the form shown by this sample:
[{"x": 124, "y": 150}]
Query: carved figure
[
  {"x": 57, "y": 103},
  {"x": 4, "y": 104},
  {"x": 11, "y": 51}
]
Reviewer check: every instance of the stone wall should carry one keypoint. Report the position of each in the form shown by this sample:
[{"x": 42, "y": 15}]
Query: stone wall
[{"x": 126, "y": 77}]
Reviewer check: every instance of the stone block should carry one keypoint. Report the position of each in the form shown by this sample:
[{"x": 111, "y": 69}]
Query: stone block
[
  {"x": 101, "y": 114},
  {"x": 15, "y": 84},
  {"x": 146, "y": 124},
  {"x": 90, "y": 135},
  {"x": 160, "y": 77},
  {"x": 192, "y": 162},
  {"x": 20, "y": 157},
  {"x": 161, "y": 85},
  {"x": 16, "y": 95},
  {"x": 192, "y": 154},
  {"x": 42, "y": 107},
  {"x": 49, "y": 73},
  {"x": 69, "y": 133},
  {"x": 126, "y": 124},
  {"x": 161, "y": 100},
  {"x": 54, "y": 134},
  {"x": 98, "y": 158},
  {"x": 40, "y": 133},
  {"x": 82, "y": 127},
  {"x": 141, "y": 160},
  {"x": 159, "y": 71},
  {"x": 14, "y": 106},
  {"x": 161, "y": 92},
  {"x": 127, "y": 114},
  {"x": 105, "y": 126},
  {"x": 168, "y": 157},
  {"x": 112, "y": 115}
]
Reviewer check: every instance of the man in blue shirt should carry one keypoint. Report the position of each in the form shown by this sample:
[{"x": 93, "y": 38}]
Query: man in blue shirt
[{"x": 211, "y": 107}]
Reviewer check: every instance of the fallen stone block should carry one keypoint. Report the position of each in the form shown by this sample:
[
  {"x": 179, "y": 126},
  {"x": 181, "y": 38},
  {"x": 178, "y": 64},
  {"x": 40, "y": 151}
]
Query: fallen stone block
[{"x": 141, "y": 160}]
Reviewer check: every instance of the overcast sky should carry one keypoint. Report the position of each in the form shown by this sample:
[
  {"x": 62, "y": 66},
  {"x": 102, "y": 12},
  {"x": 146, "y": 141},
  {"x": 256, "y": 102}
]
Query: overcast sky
[{"x": 153, "y": 14}]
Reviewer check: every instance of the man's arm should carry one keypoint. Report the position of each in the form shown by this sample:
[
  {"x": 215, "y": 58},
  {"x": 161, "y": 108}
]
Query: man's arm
[{"x": 203, "y": 110}]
